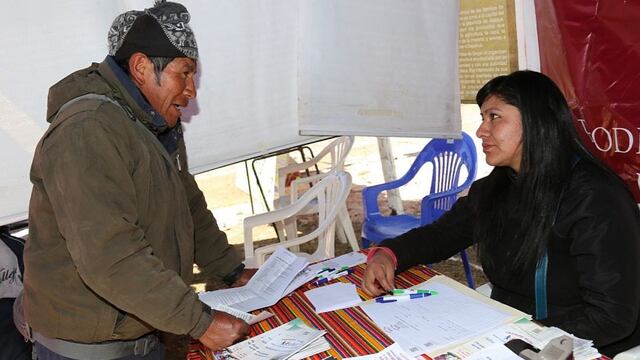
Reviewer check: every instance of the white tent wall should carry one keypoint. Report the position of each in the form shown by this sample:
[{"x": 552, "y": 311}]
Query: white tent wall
[
  {"x": 44, "y": 41},
  {"x": 249, "y": 71}
]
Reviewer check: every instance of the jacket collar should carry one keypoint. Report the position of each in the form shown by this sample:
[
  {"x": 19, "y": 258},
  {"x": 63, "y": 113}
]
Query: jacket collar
[{"x": 141, "y": 108}]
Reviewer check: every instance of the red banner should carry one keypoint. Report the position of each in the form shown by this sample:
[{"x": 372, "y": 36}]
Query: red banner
[{"x": 591, "y": 49}]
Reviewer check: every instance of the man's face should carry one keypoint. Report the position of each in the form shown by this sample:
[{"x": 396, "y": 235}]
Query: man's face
[{"x": 174, "y": 89}]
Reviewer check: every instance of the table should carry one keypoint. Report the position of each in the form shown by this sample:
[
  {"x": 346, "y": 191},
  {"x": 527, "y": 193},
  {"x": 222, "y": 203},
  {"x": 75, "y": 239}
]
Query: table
[{"x": 349, "y": 331}]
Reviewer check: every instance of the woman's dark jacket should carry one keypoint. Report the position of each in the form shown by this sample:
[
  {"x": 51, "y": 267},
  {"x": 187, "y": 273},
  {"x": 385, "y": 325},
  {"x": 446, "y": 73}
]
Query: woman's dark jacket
[{"x": 593, "y": 281}]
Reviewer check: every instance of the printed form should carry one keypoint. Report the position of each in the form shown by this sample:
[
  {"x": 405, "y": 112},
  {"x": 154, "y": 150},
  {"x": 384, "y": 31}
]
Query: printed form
[
  {"x": 265, "y": 288},
  {"x": 441, "y": 320}
]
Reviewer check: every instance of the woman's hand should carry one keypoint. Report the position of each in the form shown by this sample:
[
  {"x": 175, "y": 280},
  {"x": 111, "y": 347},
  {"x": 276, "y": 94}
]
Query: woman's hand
[{"x": 378, "y": 276}]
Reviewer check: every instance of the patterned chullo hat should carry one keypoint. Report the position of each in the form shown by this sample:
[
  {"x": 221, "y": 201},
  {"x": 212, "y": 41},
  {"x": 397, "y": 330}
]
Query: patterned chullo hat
[{"x": 162, "y": 30}]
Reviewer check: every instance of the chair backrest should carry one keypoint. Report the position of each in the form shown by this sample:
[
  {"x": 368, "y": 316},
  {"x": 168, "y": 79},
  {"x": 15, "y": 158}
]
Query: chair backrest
[
  {"x": 448, "y": 158},
  {"x": 331, "y": 199},
  {"x": 336, "y": 151},
  {"x": 331, "y": 193}
]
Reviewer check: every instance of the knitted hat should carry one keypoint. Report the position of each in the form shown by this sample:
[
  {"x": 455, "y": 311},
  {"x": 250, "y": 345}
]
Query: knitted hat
[{"x": 162, "y": 30}]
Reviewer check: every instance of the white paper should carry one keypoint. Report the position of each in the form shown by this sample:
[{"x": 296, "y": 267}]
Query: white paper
[
  {"x": 496, "y": 352},
  {"x": 247, "y": 317},
  {"x": 333, "y": 297},
  {"x": 349, "y": 260},
  {"x": 392, "y": 352},
  {"x": 425, "y": 325},
  {"x": 317, "y": 346},
  {"x": 279, "y": 343},
  {"x": 486, "y": 345},
  {"x": 309, "y": 273},
  {"x": 265, "y": 288},
  {"x": 495, "y": 337}
]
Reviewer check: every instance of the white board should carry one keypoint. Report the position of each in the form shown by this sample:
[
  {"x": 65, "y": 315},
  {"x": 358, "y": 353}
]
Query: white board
[{"x": 380, "y": 68}]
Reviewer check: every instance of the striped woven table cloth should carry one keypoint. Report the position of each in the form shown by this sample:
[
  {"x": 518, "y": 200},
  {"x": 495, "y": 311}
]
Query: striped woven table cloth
[{"x": 349, "y": 331}]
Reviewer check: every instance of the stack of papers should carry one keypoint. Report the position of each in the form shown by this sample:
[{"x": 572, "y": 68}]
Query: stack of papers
[
  {"x": 459, "y": 323},
  {"x": 393, "y": 352},
  {"x": 291, "y": 341},
  {"x": 282, "y": 273},
  {"x": 309, "y": 273},
  {"x": 432, "y": 324},
  {"x": 490, "y": 346},
  {"x": 333, "y": 297},
  {"x": 268, "y": 285}
]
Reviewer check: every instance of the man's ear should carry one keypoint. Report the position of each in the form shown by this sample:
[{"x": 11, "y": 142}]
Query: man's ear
[{"x": 139, "y": 66}]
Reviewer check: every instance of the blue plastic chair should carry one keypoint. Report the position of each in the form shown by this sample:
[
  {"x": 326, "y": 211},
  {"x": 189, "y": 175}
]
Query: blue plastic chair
[{"x": 447, "y": 158}]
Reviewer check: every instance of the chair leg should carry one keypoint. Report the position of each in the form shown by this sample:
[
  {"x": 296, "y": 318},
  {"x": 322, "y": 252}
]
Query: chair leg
[
  {"x": 341, "y": 234},
  {"x": 346, "y": 228},
  {"x": 280, "y": 231},
  {"x": 467, "y": 268}
]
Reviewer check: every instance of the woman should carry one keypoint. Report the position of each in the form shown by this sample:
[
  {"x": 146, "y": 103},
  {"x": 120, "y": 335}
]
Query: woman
[{"x": 548, "y": 208}]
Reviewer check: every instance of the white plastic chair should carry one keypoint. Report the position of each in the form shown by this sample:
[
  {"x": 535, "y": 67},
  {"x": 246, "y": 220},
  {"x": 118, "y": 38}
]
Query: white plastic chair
[
  {"x": 336, "y": 153},
  {"x": 329, "y": 194}
]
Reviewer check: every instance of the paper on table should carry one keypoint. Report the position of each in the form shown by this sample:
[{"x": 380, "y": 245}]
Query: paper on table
[
  {"x": 248, "y": 318},
  {"x": 309, "y": 273},
  {"x": 442, "y": 320},
  {"x": 536, "y": 335},
  {"x": 279, "y": 343},
  {"x": 265, "y": 288},
  {"x": 317, "y": 346},
  {"x": 492, "y": 338},
  {"x": 333, "y": 297},
  {"x": 349, "y": 260},
  {"x": 392, "y": 352},
  {"x": 496, "y": 352}
]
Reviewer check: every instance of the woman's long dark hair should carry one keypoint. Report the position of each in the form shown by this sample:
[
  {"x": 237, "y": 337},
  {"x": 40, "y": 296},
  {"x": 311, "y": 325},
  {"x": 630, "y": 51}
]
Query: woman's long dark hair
[{"x": 550, "y": 146}]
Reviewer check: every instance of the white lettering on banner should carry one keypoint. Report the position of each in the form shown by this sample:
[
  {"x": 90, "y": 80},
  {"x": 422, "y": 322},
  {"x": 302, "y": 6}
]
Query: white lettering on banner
[{"x": 611, "y": 138}]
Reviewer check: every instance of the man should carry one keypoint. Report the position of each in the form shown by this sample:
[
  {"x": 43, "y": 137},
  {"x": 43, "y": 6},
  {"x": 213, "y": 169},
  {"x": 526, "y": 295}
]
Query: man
[{"x": 116, "y": 221}]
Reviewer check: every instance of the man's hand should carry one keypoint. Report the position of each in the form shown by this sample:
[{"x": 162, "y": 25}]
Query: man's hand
[
  {"x": 244, "y": 277},
  {"x": 378, "y": 275},
  {"x": 223, "y": 331}
]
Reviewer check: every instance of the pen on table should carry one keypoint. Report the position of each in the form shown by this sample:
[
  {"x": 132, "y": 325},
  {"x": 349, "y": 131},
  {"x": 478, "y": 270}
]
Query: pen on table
[
  {"x": 411, "y": 291},
  {"x": 394, "y": 298},
  {"x": 326, "y": 270},
  {"x": 333, "y": 276},
  {"x": 330, "y": 271}
]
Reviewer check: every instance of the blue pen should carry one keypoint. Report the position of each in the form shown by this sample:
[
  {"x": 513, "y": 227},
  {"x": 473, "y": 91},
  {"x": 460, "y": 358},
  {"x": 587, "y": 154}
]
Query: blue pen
[{"x": 383, "y": 299}]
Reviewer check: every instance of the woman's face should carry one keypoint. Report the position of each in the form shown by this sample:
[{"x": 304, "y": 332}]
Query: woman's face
[{"x": 501, "y": 133}]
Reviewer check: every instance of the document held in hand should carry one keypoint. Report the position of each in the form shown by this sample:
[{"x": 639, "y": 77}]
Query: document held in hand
[{"x": 266, "y": 287}]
